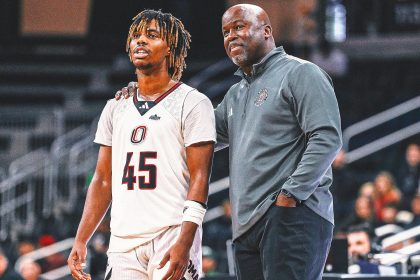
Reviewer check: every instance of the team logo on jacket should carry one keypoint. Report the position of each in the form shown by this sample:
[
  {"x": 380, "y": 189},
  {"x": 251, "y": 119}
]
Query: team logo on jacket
[
  {"x": 138, "y": 134},
  {"x": 261, "y": 97}
]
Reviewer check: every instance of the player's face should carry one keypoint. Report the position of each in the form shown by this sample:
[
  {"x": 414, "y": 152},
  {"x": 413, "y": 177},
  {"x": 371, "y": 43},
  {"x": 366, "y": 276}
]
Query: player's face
[
  {"x": 243, "y": 36},
  {"x": 148, "y": 50}
]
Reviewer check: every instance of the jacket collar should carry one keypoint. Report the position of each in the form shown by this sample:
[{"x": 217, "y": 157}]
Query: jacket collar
[{"x": 263, "y": 64}]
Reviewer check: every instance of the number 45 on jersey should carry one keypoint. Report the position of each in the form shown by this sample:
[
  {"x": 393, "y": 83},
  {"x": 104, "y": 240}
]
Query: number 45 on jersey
[{"x": 130, "y": 179}]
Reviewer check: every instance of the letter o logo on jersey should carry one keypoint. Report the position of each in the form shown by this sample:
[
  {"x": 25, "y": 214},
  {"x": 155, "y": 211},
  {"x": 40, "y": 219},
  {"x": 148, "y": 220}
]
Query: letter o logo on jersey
[{"x": 138, "y": 134}]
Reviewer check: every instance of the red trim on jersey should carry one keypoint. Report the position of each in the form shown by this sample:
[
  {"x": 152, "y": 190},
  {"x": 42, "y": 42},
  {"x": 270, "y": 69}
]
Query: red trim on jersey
[
  {"x": 174, "y": 87},
  {"x": 160, "y": 98}
]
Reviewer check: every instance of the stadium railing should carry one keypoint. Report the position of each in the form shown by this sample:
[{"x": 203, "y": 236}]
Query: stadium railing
[
  {"x": 40, "y": 183},
  {"x": 400, "y": 237},
  {"x": 377, "y": 120},
  {"x": 65, "y": 170},
  {"x": 19, "y": 194}
]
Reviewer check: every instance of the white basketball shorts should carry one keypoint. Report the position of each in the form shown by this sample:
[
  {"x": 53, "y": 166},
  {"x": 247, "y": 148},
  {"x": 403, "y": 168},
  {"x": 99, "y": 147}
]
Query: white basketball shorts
[{"x": 141, "y": 262}]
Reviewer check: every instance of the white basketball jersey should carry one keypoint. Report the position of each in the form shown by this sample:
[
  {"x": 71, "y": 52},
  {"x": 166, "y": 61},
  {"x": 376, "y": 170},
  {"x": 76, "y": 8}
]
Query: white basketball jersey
[{"x": 150, "y": 178}]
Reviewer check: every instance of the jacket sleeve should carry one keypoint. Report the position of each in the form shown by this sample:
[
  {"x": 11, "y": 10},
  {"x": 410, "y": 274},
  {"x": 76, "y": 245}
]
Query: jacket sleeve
[{"x": 316, "y": 110}]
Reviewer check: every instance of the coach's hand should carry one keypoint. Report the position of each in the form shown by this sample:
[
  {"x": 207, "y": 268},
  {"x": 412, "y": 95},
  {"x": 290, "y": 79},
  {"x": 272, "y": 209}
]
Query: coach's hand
[
  {"x": 127, "y": 91},
  {"x": 284, "y": 201},
  {"x": 76, "y": 262},
  {"x": 178, "y": 256}
]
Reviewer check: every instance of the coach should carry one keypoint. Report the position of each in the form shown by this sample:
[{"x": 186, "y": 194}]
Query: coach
[{"x": 282, "y": 124}]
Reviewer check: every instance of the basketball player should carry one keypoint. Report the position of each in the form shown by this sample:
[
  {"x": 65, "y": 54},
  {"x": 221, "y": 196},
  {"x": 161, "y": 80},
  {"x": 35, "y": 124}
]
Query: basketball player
[{"x": 153, "y": 163}]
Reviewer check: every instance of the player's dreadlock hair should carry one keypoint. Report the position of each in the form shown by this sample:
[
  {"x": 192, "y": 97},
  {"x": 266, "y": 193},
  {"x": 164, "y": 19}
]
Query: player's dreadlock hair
[{"x": 172, "y": 30}]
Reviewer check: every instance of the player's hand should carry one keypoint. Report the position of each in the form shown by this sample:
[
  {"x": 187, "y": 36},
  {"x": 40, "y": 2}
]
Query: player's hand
[
  {"x": 76, "y": 262},
  {"x": 178, "y": 256},
  {"x": 127, "y": 91},
  {"x": 284, "y": 201}
]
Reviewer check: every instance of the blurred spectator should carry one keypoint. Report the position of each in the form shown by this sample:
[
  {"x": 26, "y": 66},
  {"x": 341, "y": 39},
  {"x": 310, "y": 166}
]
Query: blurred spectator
[
  {"x": 364, "y": 213},
  {"x": 385, "y": 192},
  {"x": 25, "y": 247},
  {"x": 359, "y": 249},
  {"x": 209, "y": 262},
  {"x": 408, "y": 174},
  {"x": 46, "y": 240},
  {"x": 330, "y": 59},
  {"x": 6, "y": 270},
  {"x": 98, "y": 249},
  {"x": 367, "y": 190},
  {"x": 344, "y": 187},
  {"x": 30, "y": 270},
  {"x": 389, "y": 214},
  {"x": 358, "y": 238},
  {"x": 217, "y": 232},
  {"x": 53, "y": 261},
  {"x": 415, "y": 209},
  {"x": 98, "y": 259}
]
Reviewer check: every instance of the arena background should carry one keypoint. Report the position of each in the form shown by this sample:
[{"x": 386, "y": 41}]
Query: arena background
[{"x": 61, "y": 60}]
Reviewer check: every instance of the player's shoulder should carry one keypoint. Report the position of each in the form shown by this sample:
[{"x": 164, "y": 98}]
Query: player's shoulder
[
  {"x": 192, "y": 94},
  {"x": 112, "y": 104}
]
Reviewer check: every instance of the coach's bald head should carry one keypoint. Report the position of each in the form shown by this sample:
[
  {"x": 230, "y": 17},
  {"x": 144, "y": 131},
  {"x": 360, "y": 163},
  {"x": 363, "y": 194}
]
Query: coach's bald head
[{"x": 247, "y": 35}]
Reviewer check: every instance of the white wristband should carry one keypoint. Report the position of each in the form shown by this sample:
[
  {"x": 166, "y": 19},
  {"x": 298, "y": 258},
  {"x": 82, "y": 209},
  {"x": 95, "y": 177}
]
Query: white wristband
[{"x": 193, "y": 212}]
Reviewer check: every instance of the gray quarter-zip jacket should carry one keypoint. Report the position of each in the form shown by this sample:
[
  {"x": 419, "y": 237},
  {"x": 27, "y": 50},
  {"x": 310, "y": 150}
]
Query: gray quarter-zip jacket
[{"x": 282, "y": 126}]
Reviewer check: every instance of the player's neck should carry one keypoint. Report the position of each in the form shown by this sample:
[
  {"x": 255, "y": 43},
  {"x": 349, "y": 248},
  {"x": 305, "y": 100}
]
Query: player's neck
[{"x": 154, "y": 85}]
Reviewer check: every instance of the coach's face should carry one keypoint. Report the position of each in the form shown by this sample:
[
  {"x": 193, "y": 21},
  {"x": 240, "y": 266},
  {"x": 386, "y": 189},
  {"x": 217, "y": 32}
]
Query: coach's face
[
  {"x": 244, "y": 36},
  {"x": 148, "y": 50}
]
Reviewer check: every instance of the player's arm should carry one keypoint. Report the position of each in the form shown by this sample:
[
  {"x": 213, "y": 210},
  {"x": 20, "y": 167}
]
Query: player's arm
[
  {"x": 97, "y": 203},
  {"x": 222, "y": 129},
  {"x": 199, "y": 160}
]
